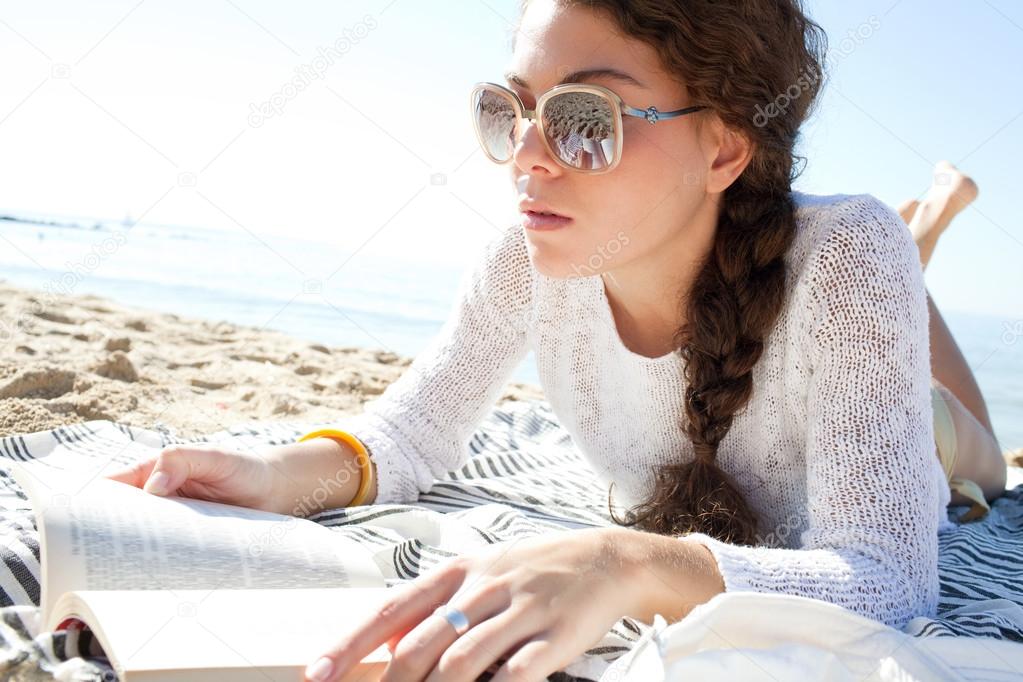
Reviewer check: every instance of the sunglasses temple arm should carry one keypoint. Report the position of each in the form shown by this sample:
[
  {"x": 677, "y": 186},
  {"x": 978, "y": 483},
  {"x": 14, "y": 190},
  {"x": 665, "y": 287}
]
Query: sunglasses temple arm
[{"x": 651, "y": 114}]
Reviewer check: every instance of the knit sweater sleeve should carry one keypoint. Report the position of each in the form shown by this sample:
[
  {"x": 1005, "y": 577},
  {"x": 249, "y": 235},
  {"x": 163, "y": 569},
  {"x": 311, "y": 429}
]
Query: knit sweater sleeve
[
  {"x": 870, "y": 543},
  {"x": 419, "y": 428}
]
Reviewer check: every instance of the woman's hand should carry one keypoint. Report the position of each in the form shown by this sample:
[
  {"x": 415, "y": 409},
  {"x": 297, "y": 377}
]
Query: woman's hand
[
  {"x": 540, "y": 602},
  {"x": 298, "y": 479},
  {"x": 207, "y": 472}
]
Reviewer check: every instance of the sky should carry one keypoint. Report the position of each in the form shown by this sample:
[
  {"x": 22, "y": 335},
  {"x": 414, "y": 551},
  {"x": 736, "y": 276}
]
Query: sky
[{"x": 348, "y": 122}]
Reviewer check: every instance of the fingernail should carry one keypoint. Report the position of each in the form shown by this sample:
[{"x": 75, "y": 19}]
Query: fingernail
[
  {"x": 157, "y": 483},
  {"x": 320, "y": 670}
]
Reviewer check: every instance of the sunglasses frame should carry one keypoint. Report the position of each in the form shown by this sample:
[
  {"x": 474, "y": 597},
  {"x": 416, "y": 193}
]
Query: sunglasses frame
[{"x": 618, "y": 109}]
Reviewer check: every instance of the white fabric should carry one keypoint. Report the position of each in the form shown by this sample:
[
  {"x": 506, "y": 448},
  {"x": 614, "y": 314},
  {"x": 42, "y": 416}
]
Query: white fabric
[
  {"x": 770, "y": 637},
  {"x": 834, "y": 452}
]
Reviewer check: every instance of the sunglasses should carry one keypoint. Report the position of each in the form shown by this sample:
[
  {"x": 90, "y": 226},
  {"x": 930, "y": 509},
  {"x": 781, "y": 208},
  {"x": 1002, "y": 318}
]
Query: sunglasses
[{"x": 580, "y": 125}]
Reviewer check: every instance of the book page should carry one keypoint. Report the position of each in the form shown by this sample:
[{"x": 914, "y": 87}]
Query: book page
[
  {"x": 241, "y": 634},
  {"x": 99, "y": 534}
]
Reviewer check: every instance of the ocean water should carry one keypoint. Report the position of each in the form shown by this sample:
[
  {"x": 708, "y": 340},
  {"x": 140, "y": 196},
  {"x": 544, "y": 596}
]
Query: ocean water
[{"x": 308, "y": 290}]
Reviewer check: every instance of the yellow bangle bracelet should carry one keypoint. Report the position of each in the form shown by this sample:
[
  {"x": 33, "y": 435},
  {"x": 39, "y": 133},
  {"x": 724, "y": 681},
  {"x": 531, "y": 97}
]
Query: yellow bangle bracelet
[{"x": 362, "y": 457}]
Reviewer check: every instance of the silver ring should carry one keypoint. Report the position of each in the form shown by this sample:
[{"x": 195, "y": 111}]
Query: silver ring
[{"x": 454, "y": 616}]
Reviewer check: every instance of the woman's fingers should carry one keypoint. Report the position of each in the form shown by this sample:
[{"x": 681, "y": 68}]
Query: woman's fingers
[
  {"x": 410, "y": 605},
  {"x": 492, "y": 639},
  {"x": 135, "y": 475},
  {"x": 536, "y": 659},
  {"x": 178, "y": 464},
  {"x": 434, "y": 644},
  {"x": 175, "y": 465}
]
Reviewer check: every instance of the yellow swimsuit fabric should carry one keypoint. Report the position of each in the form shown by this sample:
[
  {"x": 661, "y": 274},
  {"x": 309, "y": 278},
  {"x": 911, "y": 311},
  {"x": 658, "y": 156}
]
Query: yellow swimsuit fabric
[{"x": 948, "y": 453}]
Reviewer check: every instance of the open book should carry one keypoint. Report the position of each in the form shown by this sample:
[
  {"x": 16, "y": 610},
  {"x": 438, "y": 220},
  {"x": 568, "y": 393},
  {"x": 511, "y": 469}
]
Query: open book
[{"x": 175, "y": 588}]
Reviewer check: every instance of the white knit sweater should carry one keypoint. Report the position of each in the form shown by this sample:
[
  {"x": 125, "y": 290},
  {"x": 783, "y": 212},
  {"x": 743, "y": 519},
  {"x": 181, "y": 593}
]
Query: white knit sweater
[{"x": 834, "y": 452}]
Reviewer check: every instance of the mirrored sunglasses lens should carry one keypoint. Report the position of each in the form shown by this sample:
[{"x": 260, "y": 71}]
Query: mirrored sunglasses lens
[
  {"x": 580, "y": 128},
  {"x": 494, "y": 116}
]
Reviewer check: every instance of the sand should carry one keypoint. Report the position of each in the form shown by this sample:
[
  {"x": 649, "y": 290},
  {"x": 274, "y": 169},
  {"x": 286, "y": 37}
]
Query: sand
[{"x": 71, "y": 358}]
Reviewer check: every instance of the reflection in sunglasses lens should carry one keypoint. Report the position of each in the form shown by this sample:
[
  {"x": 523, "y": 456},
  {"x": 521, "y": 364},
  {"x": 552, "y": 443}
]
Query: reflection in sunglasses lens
[
  {"x": 580, "y": 127},
  {"x": 495, "y": 123}
]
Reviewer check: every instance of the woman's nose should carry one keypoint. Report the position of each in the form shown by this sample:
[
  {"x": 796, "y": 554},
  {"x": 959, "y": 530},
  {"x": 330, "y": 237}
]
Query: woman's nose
[{"x": 530, "y": 154}]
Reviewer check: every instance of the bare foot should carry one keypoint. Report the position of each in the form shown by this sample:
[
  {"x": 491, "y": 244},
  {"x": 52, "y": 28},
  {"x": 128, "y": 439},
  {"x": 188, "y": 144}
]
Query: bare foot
[
  {"x": 951, "y": 191},
  {"x": 907, "y": 209}
]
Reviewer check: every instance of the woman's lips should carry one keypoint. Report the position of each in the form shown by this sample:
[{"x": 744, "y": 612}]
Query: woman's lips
[{"x": 533, "y": 220}]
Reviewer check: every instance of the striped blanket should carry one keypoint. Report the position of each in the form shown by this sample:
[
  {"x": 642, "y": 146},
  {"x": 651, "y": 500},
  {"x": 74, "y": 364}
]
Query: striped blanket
[{"x": 524, "y": 478}]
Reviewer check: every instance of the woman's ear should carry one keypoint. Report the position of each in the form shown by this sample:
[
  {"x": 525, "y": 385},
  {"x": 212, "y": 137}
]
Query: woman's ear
[{"x": 730, "y": 152}]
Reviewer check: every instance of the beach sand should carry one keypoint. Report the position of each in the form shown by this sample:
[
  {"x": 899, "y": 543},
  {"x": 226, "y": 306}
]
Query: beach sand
[{"x": 71, "y": 358}]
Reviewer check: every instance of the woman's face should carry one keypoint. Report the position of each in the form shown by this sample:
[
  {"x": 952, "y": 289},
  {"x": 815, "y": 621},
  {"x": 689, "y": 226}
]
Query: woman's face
[{"x": 647, "y": 202}]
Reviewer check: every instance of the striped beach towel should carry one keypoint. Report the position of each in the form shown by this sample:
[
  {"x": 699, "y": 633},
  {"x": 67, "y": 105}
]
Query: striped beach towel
[{"x": 524, "y": 478}]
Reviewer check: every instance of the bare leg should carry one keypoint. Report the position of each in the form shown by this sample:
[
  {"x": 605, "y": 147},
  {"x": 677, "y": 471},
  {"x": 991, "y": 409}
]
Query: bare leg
[
  {"x": 980, "y": 457},
  {"x": 950, "y": 193},
  {"x": 950, "y": 368},
  {"x": 907, "y": 209}
]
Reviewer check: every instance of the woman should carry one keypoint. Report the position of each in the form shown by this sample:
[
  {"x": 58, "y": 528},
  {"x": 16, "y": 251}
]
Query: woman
[{"x": 746, "y": 366}]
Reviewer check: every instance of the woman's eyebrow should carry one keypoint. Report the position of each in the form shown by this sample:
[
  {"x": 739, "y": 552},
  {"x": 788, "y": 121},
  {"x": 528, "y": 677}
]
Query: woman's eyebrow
[{"x": 582, "y": 75}]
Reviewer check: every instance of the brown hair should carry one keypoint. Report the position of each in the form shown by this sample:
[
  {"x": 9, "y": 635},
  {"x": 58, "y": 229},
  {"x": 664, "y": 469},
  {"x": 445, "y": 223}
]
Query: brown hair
[{"x": 757, "y": 64}]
